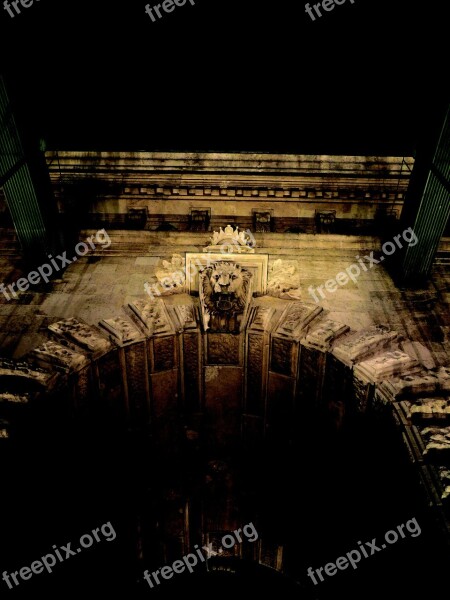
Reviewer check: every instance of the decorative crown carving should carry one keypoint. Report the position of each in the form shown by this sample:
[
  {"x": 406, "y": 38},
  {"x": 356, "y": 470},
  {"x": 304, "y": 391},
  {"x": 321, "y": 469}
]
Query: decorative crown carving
[{"x": 231, "y": 240}]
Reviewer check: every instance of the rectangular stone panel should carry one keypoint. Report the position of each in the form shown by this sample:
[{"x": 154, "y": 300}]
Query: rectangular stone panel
[
  {"x": 108, "y": 373},
  {"x": 163, "y": 353},
  {"x": 255, "y": 375},
  {"x": 165, "y": 409},
  {"x": 223, "y": 403},
  {"x": 192, "y": 371},
  {"x": 280, "y": 407},
  {"x": 137, "y": 382},
  {"x": 282, "y": 356},
  {"x": 223, "y": 348},
  {"x": 311, "y": 373}
]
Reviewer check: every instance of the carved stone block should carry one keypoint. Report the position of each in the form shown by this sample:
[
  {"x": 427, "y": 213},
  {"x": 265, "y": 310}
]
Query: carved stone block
[
  {"x": 260, "y": 318},
  {"x": 153, "y": 315},
  {"x": 231, "y": 240},
  {"x": 296, "y": 317},
  {"x": 387, "y": 364},
  {"x": 357, "y": 346},
  {"x": 444, "y": 379},
  {"x": 280, "y": 407},
  {"x": 437, "y": 449},
  {"x": 310, "y": 379},
  {"x": 137, "y": 381},
  {"x": 187, "y": 315},
  {"x": 282, "y": 356},
  {"x": 37, "y": 376},
  {"x": 122, "y": 331},
  {"x": 255, "y": 375},
  {"x": 163, "y": 353},
  {"x": 192, "y": 370},
  {"x": 83, "y": 335},
  {"x": 444, "y": 480},
  {"x": 321, "y": 336},
  {"x": 430, "y": 410},
  {"x": 7, "y": 398},
  {"x": 52, "y": 354},
  {"x": 416, "y": 384},
  {"x": 223, "y": 349}
]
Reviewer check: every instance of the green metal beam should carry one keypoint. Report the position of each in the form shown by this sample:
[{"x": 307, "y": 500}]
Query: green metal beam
[
  {"x": 20, "y": 187},
  {"x": 427, "y": 208}
]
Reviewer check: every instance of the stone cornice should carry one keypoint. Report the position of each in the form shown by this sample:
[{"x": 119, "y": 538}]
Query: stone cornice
[{"x": 246, "y": 175}]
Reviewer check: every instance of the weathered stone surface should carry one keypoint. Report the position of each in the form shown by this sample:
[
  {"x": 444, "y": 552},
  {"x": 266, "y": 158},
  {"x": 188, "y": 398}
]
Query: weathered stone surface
[
  {"x": 296, "y": 318},
  {"x": 419, "y": 352},
  {"x": 12, "y": 369},
  {"x": 323, "y": 333},
  {"x": 260, "y": 318},
  {"x": 387, "y": 364},
  {"x": 121, "y": 331},
  {"x": 7, "y": 398},
  {"x": 256, "y": 375},
  {"x": 430, "y": 409},
  {"x": 437, "y": 447},
  {"x": 192, "y": 371},
  {"x": 163, "y": 353},
  {"x": 444, "y": 378},
  {"x": 153, "y": 315},
  {"x": 136, "y": 363},
  {"x": 187, "y": 315},
  {"x": 358, "y": 346},
  {"x": 4, "y": 429},
  {"x": 223, "y": 403},
  {"x": 223, "y": 349},
  {"x": 444, "y": 477},
  {"x": 417, "y": 384},
  {"x": 283, "y": 354},
  {"x": 284, "y": 279},
  {"x": 83, "y": 335},
  {"x": 55, "y": 355}
]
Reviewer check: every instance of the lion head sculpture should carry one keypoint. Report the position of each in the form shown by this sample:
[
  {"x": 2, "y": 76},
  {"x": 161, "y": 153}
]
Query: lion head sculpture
[{"x": 225, "y": 292}]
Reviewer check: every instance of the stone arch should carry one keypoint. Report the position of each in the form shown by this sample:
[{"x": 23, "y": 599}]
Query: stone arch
[{"x": 153, "y": 366}]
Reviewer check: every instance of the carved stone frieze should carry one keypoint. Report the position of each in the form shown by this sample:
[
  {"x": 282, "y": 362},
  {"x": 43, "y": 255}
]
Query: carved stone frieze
[
  {"x": 121, "y": 330},
  {"x": 153, "y": 315},
  {"x": 80, "y": 333},
  {"x": 362, "y": 344},
  {"x": 54, "y": 354}
]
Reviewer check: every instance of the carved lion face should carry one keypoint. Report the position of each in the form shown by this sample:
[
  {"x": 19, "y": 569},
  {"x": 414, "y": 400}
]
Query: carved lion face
[{"x": 226, "y": 278}]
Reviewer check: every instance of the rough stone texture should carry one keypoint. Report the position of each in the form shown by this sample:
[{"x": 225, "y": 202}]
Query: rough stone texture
[
  {"x": 166, "y": 186},
  {"x": 352, "y": 371}
]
